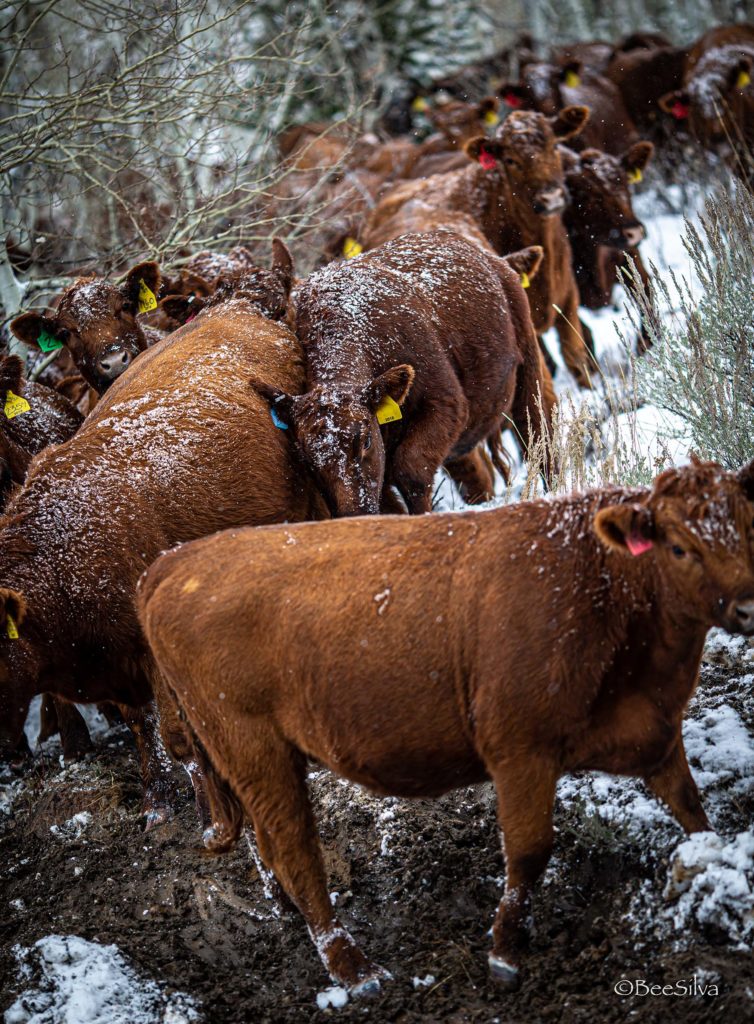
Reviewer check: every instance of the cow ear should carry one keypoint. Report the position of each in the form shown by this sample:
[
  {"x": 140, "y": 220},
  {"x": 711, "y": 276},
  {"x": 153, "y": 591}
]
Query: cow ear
[
  {"x": 394, "y": 383},
  {"x": 526, "y": 262},
  {"x": 746, "y": 480},
  {"x": 514, "y": 94},
  {"x": 282, "y": 263},
  {"x": 12, "y": 611},
  {"x": 628, "y": 529},
  {"x": 739, "y": 76},
  {"x": 569, "y": 122},
  {"x": 481, "y": 149},
  {"x": 280, "y": 402},
  {"x": 11, "y": 374},
  {"x": 143, "y": 275},
  {"x": 636, "y": 158},
  {"x": 676, "y": 103},
  {"x": 29, "y": 326}
]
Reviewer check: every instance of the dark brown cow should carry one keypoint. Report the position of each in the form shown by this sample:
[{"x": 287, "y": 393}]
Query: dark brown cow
[
  {"x": 548, "y": 87},
  {"x": 428, "y": 330},
  {"x": 643, "y": 77},
  {"x": 98, "y": 323},
  {"x": 178, "y": 448},
  {"x": 717, "y": 97},
  {"x": 511, "y": 194},
  {"x": 515, "y": 645},
  {"x": 603, "y": 229}
]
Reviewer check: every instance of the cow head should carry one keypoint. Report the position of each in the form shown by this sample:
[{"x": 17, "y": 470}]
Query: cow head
[
  {"x": 337, "y": 431},
  {"x": 460, "y": 122},
  {"x": 713, "y": 101},
  {"x": 525, "y": 153},
  {"x": 600, "y": 189},
  {"x": 540, "y": 87},
  {"x": 97, "y": 322},
  {"x": 696, "y": 528}
]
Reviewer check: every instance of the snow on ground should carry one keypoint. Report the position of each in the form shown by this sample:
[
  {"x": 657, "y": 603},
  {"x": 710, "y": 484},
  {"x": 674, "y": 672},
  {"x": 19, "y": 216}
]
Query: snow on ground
[{"x": 73, "y": 981}]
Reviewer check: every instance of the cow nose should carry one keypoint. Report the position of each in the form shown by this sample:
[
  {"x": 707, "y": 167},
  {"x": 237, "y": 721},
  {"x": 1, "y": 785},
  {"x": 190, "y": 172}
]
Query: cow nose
[
  {"x": 741, "y": 614},
  {"x": 633, "y": 234},
  {"x": 549, "y": 201},
  {"x": 112, "y": 364}
]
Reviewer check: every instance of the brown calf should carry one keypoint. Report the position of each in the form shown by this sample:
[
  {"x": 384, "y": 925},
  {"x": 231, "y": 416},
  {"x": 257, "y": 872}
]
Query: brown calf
[
  {"x": 512, "y": 194},
  {"x": 429, "y": 331},
  {"x": 602, "y": 228},
  {"x": 717, "y": 97},
  {"x": 178, "y": 448},
  {"x": 98, "y": 323},
  {"x": 515, "y": 645}
]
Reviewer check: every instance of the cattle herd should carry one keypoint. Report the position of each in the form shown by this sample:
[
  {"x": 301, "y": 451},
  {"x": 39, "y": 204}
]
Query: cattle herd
[{"x": 168, "y": 547}]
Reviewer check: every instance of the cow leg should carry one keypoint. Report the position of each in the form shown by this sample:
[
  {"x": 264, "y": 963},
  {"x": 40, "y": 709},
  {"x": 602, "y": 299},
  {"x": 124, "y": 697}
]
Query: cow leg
[
  {"x": 74, "y": 732},
  {"x": 675, "y": 786},
  {"x": 273, "y": 792},
  {"x": 425, "y": 447},
  {"x": 526, "y": 794},
  {"x": 154, "y": 762},
  {"x": 574, "y": 340}
]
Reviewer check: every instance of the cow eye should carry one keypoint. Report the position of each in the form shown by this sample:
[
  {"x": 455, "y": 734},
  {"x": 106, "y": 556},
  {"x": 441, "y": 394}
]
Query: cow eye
[
  {"x": 678, "y": 551},
  {"x": 367, "y": 442},
  {"x": 510, "y": 161},
  {"x": 62, "y": 334}
]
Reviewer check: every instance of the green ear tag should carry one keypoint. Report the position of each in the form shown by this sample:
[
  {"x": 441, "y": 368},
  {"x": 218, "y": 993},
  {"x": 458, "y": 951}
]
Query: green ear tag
[
  {"x": 388, "y": 410},
  {"x": 147, "y": 298},
  {"x": 48, "y": 343}
]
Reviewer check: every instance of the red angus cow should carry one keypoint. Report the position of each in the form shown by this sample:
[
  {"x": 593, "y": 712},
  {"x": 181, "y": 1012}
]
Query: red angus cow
[{"x": 513, "y": 645}]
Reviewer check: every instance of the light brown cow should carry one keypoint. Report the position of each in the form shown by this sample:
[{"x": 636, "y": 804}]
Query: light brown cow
[{"x": 514, "y": 645}]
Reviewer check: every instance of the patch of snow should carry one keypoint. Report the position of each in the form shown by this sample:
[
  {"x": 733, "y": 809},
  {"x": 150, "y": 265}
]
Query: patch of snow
[
  {"x": 73, "y": 828},
  {"x": 82, "y": 982},
  {"x": 336, "y": 997},
  {"x": 425, "y": 982}
]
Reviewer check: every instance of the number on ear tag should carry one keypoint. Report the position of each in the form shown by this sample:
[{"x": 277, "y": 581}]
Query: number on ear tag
[
  {"x": 572, "y": 80},
  {"x": 744, "y": 79},
  {"x": 491, "y": 118},
  {"x": 11, "y": 628},
  {"x": 47, "y": 342},
  {"x": 147, "y": 298},
  {"x": 15, "y": 405},
  {"x": 635, "y": 176},
  {"x": 388, "y": 411},
  {"x": 351, "y": 248},
  {"x": 525, "y": 282}
]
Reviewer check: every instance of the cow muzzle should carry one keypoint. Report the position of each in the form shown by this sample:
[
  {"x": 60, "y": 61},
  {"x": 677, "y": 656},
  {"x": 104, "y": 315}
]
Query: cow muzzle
[
  {"x": 739, "y": 616},
  {"x": 114, "y": 362},
  {"x": 550, "y": 201}
]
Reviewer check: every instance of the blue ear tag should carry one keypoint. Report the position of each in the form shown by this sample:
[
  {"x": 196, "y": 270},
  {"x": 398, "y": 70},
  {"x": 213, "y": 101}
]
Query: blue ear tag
[{"x": 276, "y": 419}]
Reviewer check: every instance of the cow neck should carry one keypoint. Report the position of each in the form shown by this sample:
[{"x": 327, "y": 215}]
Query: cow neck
[{"x": 489, "y": 198}]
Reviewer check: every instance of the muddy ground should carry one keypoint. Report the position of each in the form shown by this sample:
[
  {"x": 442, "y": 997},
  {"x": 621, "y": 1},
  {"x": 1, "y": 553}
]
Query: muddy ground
[{"x": 416, "y": 882}]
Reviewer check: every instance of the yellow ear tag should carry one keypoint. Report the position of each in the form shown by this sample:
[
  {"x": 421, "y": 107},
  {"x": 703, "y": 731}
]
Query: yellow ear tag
[
  {"x": 351, "y": 248},
  {"x": 11, "y": 628},
  {"x": 147, "y": 299},
  {"x": 525, "y": 282},
  {"x": 491, "y": 118},
  {"x": 15, "y": 405},
  {"x": 419, "y": 105},
  {"x": 572, "y": 80},
  {"x": 635, "y": 176},
  {"x": 388, "y": 411},
  {"x": 744, "y": 79}
]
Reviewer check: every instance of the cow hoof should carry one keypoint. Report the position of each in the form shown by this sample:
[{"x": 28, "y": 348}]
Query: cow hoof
[
  {"x": 504, "y": 973},
  {"x": 367, "y": 989},
  {"x": 156, "y": 817}
]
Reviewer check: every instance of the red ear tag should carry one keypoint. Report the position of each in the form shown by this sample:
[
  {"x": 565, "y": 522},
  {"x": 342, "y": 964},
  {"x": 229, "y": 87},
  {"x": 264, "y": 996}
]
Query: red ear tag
[
  {"x": 487, "y": 160},
  {"x": 638, "y": 545},
  {"x": 680, "y": 111},
  {"x": 190, "y": 318},
  {"x": 513, "y": 100}
]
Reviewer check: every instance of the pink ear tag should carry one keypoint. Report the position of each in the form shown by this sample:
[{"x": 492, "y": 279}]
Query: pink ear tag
[
  {"x": 487, "y": 160},
  {"x": 190, "y": 318},
  {"x": 638, "y": 545}
]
